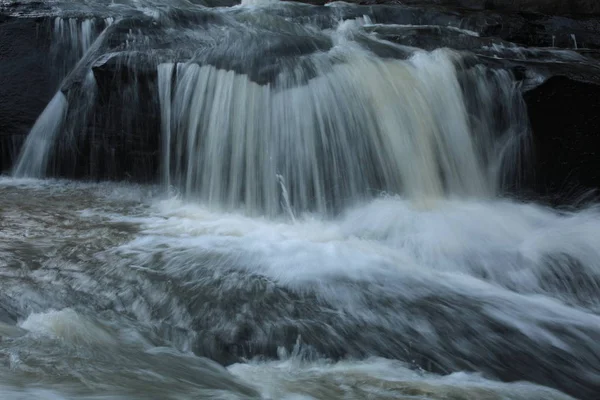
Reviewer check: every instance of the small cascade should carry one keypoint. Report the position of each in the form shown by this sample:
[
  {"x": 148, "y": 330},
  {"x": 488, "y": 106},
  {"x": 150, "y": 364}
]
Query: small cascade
[
  {"x": 337, "y": 221},
  {"x": 165, "y": 75},
  {"x": 67, "y": 112},
  {"x": 33, "y": 160},
  {"x": 71, "y": 39},
  {"x": 574, "y": 39},
  {"x": 499, "y": 123}
]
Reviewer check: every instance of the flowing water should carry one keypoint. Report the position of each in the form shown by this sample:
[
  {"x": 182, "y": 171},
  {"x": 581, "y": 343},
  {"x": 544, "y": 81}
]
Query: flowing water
[{"x": 330, "y": 217}]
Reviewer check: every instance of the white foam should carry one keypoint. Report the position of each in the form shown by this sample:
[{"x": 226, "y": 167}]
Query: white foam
[
  {"x": 380, "y": 378},
  {"x": 68, "y": 325},
  {"x": 439, "y": 237},
  {"x": 258, "y": 2}
]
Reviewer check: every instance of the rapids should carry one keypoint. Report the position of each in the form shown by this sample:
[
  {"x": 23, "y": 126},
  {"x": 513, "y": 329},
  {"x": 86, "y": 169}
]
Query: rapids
[
  {"x": 332, "y": 213},
  {"x": 116, "y": 289}
]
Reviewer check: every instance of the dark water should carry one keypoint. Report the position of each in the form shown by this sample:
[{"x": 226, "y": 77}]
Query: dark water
[{"x": 332, "y": 218}]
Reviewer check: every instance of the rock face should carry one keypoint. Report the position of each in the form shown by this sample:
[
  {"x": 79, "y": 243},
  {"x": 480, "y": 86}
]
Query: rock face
[
  {"x": 26, "y": 83},
  {"x": 555, "y": 7}
]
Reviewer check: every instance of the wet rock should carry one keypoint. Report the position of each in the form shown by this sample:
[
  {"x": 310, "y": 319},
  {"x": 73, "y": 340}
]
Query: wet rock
[
  {"x": 26, "y": 83},
  {"x": 7, "y": 317},
  {"x": 565, "y": 121},
  {"x": 113, "y": 133},
  {"x": 554, "y": 7}
]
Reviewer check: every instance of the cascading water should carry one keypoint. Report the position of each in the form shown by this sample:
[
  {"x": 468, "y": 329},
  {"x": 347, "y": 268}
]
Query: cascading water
[
  {"x": 360, "y": 126},
  {"x": 339, "y": 126},
  {"x": 337, "y": 223}
]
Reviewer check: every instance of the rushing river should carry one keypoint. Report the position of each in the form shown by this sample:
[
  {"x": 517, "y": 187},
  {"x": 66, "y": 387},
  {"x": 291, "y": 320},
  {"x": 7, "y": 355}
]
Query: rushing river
[
  {"x": 332, "y": 214},
  {"x": 115, "y": 291}
]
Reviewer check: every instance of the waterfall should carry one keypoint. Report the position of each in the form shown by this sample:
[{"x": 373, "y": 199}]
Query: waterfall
[
  {"x": 165, "y": 75},
  {"x": 71, "y": 39},
  {"x": 333, "y": 119},
  {"x": 361, "y": 126},
  {"x": 43, "y": 138},
  {"x": 307, "y": 202}
]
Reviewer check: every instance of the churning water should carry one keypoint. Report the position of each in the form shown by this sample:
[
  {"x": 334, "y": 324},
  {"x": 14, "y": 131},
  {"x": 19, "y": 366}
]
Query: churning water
[
  {"x": 329, "y": 222},
  {"x": 118, "y": 292}
]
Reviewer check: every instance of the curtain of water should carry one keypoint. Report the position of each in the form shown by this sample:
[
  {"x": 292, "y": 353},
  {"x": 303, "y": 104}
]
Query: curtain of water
[{"x": 361, "y": 126}]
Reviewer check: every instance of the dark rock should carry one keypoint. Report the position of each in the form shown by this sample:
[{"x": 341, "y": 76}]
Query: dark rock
[
  {"x": 26, "y": 83},
  {"x": 553, "y": 7},
  {"x": 565, "y": 122},
  {"x": 112, "y": 132}
]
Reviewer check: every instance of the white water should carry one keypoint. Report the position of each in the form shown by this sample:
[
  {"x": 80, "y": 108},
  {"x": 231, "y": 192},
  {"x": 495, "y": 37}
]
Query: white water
[
  {"x": 506, "y": 243},
  {"x": 71, "y": 39},
  {"x": 34, "y": 158},
  {"x": 362, "y": 124},
  {"x": 258, "y": 2},
  {"x": 110, "y": 272},
  {"x": 78, "y": 34}
]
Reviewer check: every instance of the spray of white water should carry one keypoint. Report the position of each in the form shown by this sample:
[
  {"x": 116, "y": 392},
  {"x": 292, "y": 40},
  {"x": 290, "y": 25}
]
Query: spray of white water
[{"x": 258, "y": 2}]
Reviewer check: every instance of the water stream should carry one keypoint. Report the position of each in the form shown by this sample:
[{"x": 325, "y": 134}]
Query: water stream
[{"x": 330, "y": 217}]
